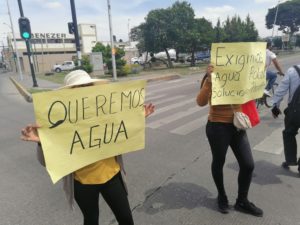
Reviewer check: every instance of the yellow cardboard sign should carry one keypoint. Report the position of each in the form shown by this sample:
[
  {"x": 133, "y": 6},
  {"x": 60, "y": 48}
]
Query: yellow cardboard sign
[
  {"x": 83, "y": 125},
  {"x": 239, "y": 74}
]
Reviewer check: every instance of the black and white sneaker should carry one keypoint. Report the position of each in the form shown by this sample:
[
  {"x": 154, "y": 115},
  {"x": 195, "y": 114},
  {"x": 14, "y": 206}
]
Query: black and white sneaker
[{"x": 248, "y": 207}]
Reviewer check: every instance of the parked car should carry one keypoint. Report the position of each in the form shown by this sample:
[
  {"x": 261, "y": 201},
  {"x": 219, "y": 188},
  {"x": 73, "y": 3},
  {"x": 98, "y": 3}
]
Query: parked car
[
  {"x": 140, "y": 59},
  {"x": 160, "y": 55},
  {"x": 199, "y": 56},
  {"x": 137, "y": 60},
  {"x": 66, "y": 65}
]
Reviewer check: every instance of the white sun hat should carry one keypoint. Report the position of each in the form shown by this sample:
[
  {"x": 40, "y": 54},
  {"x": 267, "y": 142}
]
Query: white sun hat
[{"x": 79, "y": 77}]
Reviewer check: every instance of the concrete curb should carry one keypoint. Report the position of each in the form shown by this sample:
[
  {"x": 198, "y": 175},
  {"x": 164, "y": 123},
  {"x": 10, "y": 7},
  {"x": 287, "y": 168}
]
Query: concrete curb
[
  {"x": 27, "y": 96},
  {"x": 169, "y": 77}
]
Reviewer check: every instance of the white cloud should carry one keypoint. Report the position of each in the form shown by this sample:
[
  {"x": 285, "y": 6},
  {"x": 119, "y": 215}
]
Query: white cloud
[
  {"x": 275, "y": 2},
  {"x": 53, "y": 5},
  {"x": 212, "y": 14},
  {"x": 219, "y": 10},
  {"x": 49, "y": 4},
  {"x": 263, "y": 1}
]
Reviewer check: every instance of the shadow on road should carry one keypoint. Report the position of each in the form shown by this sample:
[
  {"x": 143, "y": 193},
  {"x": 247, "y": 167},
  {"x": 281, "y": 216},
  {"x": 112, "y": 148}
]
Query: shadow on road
[
  {"x": 266, "y": 173},
  {"x": 176, "y": 196}
]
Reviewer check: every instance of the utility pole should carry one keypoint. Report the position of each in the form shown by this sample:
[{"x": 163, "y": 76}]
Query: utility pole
[
  {"x": 275, "y": 19},
  {"x": 28, "y": 49},
  {"x": 76, "y": 34},
  {"x": 2, "y": 52},
  {"x": 113, "y": 51},
  {"x": 129, "y": 31},
  {"x": 15, "y": 42}
]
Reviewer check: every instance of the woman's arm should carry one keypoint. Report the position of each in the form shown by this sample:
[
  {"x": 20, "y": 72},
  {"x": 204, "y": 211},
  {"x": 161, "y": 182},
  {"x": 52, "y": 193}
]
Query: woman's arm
[
  {"x": 149, "y": 109},
  {"x": 30, "y": 133},
  {"x": 205, "y": 91}
]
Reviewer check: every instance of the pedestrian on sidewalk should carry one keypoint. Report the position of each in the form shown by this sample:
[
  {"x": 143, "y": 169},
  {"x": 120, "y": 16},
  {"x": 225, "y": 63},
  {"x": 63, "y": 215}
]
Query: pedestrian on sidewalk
[
  {"x": 221, "y": 134},
  {"x": 105, "y": 176},
  {"x": 289, "y": 84}
]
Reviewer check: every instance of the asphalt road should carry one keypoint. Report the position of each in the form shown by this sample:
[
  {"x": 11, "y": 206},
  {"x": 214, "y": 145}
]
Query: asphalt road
[{"x": 169, "y": 181}]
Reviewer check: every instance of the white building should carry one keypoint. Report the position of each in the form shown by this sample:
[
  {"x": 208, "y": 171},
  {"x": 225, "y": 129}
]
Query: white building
[{"x": 51, "y": 48}]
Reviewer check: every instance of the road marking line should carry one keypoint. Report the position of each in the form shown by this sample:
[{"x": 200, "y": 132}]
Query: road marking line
[
  {"x": 172, "y": 106},
  {"x": 171, "y": 118},
  {"x": 169, "y": 99},
  {"x": 154, "y": 97},
  {"x": 191, "y": 126},
  {"x": 171, "y": 87},
  {"x": 271, "y": 144}
]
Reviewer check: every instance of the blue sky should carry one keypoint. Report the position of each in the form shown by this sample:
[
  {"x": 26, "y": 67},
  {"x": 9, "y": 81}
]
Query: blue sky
[{"x": 52, "y": 16}]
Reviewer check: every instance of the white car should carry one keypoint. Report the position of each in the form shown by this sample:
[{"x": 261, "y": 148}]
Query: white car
[
  {"x": 67, "y": 65},
  {"x": 137, "y": 60}
]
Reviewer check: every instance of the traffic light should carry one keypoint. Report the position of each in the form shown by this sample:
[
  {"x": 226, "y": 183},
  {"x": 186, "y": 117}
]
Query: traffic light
[
  {"x": 71, "y": 28},
  {"x": 25, "y": 30}
]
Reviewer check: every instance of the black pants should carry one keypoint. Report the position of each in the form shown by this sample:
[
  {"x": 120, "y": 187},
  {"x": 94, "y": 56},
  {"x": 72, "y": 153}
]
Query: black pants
[
  {"x": 220, "y": 137},
  {"x": 113, "y": 192},
  {"x": 289, "y": 138}
]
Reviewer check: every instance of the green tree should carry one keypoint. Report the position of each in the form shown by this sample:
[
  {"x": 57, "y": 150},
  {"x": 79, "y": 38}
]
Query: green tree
[
  {"x": 106, "y": 54},
  {"x": 86, "y": 64},
  {"x": 200, "y": 37},
  {"x": 236, "y": 30},
  {"x": 250, "y": 32},
  {"x": 297, "y": 40},
  {"x": 137, "y": 34},
  {"x": 181, "y": 23},
  {"x": 288, "y": 16},
  {"x": 218, "y": 31},
  {"x": 157, "y": 32},
  {"x": 174, "y": 27},
  {"x": 99, "y": 47}
]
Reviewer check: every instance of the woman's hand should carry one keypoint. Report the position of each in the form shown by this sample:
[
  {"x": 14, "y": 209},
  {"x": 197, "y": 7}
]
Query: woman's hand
[
  {"x": 209, "y": 71},
  {"x": 149, "y": 109},
  {"x": 30, "y": 133}
]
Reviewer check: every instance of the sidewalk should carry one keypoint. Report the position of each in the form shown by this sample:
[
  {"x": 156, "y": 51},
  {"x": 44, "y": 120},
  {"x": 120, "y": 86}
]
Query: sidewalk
[{"x": 28, "y": 83}]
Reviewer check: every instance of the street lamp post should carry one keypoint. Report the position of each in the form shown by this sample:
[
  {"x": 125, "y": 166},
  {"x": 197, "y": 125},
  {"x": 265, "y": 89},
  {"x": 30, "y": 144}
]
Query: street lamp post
[
  {"x": 15, "y": 42},
  {"x": 113, "y": 51},
  {"x": 275, "y": 18}
]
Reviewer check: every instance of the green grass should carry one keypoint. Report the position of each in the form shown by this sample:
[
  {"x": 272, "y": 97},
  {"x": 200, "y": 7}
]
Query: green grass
[
  {"x": 36, "y": 90},
  {"x": 55, "y": 78},
  {"x": 180, "y": 69}
]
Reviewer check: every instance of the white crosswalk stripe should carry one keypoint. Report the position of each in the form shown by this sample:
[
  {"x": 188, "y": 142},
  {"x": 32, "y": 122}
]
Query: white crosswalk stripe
[
  {"x": 180, "y": 106},
  {"x": 171, "y": 87},
  {"x": 176, "y": 116},
  {"x": 191, "y": 126},
  {"x": 148, "y": 99},
  {"x": 172, "y": 106},
  {"x": 177, "y": 97},
  {"x": 272, "y": 143}
]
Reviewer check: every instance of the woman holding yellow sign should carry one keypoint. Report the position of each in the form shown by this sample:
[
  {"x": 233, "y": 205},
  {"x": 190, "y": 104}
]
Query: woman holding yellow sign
[
  {"x": 104, "y": 176},
  {"x": 221, "y": 134}
]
